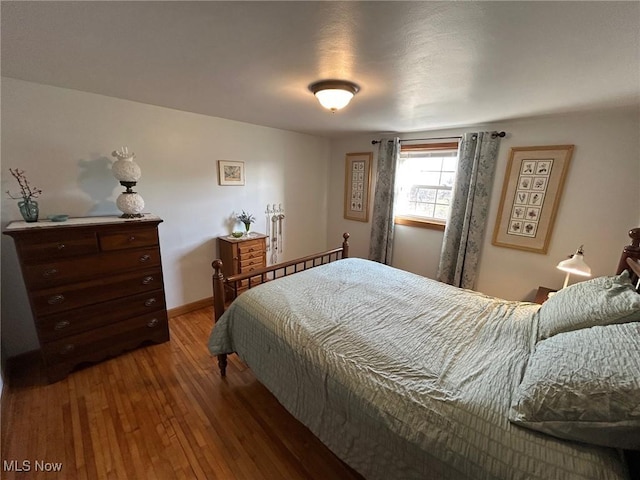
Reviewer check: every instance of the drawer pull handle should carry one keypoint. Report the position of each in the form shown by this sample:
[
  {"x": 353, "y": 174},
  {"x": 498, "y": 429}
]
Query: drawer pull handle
[
  {"x": 145, "y": 258},
  {"x": 67, "y": 349},
  {"x": 150, "y": 302},
  {"x": 132, "y": 238},
  {"x": 153, "y": 322},
  {"x": 49, "y": 272},
  {"x": 147, "y": 280},
  {"x": 61, "y": 246},
  {"x": 61, "y": 325},
  {"x": 55, "y": 299}
]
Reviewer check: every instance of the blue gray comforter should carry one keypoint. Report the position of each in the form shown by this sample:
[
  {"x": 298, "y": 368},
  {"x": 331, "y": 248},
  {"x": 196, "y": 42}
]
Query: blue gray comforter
[{"x": 401, "y": 376}]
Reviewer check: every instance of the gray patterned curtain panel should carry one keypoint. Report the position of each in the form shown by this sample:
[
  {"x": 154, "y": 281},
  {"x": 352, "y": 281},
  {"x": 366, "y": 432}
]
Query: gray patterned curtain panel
[
  {"x": 464, "y": 232},
  {"x": 381, "y": 242}
]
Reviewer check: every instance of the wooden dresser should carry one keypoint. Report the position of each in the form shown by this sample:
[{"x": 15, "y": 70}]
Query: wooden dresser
[
  {"x": 95, "y": 287},
  {"x": 242, "y": 255}
]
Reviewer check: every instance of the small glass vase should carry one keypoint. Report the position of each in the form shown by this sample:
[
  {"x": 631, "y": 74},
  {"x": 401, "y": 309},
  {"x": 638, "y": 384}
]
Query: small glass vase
[
  {"x": 247, "y": 228},
  {"x": 29, "y": 210}
]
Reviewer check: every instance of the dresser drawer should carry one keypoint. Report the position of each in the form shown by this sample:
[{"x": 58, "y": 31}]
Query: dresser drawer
[
  {"x": 251, "y": 246},
  {"x": 59, "y": 244},
  {"x": 251, "y": 268},
  {"x": 70, "y": 270},
  {"x": 67, "y": 297},
  {"x": 60, "y": 325},
  {"x": 256, "y": 262},
  {"x": 251, "y": 255},
  {"x": 107, "y": 341},
  {"x": 130, "y": 239}
]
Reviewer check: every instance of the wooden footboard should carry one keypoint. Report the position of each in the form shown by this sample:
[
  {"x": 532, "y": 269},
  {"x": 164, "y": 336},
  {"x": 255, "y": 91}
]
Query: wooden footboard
[{"x": 233, "y": 286}]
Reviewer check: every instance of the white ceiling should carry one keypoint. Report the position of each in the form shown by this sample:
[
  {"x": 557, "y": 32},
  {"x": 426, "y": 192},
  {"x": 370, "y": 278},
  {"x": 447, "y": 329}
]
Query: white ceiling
[{"x": 420, "y": 65}]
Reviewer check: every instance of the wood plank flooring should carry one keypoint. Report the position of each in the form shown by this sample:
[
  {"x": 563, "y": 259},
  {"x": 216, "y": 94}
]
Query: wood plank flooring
[{"x": 159, "y": 412}]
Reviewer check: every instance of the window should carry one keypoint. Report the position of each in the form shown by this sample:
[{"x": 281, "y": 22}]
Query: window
[{"x": 424, "y": 184}]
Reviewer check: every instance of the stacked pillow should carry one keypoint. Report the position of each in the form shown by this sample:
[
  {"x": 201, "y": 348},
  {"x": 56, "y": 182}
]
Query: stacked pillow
[
  {"x": 582, "y": 381},
  {"x": 599, "y": 301}
]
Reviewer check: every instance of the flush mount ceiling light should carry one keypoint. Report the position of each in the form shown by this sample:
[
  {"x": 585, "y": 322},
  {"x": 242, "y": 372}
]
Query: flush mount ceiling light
[{"x": 334, "y": 94}]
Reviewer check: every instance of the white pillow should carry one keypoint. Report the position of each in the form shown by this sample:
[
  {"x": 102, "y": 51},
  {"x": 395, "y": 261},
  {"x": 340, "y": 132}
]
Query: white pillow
[
  {"x": 599, "y": 301},
  {"x": 584, "y": 385}
]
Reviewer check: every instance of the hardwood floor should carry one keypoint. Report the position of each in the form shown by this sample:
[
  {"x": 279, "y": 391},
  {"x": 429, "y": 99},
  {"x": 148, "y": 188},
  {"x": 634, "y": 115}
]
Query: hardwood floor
[{"x": 159, "y": 412}]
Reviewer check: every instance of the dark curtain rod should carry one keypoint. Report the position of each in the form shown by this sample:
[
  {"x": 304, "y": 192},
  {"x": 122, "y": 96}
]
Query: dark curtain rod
[{"x": 493, "y": 135}]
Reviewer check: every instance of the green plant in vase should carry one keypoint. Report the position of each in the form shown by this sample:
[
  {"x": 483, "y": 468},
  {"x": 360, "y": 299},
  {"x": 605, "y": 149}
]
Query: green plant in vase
[
  {"x": 27, "y": 205},
  {"x": 247, "y": 219}
]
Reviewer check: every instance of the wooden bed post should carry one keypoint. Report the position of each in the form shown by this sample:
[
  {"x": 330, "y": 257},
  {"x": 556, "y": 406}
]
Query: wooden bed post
[
  {"x": 630, "y": 251},
  {"x": 345, "y": 245},
  {"x": 218, "y": 306}
]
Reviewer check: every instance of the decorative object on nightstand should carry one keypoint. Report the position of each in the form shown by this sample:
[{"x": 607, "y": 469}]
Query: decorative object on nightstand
[
  {"x": 247, "y": 219},
  {"x": 574, "y": 264},
  {"x": 27, "y": 205},
  {"x": 126, "y": 170}
]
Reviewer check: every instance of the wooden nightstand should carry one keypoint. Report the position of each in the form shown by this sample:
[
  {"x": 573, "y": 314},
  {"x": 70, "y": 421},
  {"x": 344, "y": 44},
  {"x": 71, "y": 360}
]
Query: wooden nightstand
[
  {"x": 542, "y": 294},
  {"x": 242, "y": 255}
]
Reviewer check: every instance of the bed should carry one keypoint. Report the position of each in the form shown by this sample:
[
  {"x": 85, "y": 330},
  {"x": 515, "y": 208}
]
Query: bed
[{"x": 404, "y": 377}]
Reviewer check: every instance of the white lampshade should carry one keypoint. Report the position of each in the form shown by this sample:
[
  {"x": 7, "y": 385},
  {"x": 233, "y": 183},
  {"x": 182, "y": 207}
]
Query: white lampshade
[
  {"x": 576, "y": 265},
  {"x": 125, "y": 168},
  {"x": 334, "y": 94}
]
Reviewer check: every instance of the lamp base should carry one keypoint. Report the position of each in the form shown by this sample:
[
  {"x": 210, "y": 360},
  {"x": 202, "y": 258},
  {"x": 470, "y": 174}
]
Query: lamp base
[{"x": 130, "y": 204}]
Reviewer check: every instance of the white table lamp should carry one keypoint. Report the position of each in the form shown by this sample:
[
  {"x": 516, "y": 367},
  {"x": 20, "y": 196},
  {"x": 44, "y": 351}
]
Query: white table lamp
[{"x": 575, "y": 264}]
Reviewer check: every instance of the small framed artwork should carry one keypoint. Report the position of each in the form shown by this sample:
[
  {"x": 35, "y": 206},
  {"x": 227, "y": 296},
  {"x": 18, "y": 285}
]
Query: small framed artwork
[
  {"x": 356, "y": 187},
  {"x": 531, "y": 193},
  {"x": 230, "y": 173}
]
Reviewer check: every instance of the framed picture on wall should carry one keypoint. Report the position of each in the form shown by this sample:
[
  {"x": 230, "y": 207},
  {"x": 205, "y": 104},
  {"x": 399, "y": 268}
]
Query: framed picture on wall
[
  {"x": 357, "y": 182},
  {"x": 531, "y": 193},
  {"x": 230, "y": 173}
]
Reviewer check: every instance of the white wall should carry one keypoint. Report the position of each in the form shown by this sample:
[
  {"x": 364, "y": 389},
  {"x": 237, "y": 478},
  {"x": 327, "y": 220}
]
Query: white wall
[
  {"x": 63, "y": 139},
  {"x": 600, "y": 203}
]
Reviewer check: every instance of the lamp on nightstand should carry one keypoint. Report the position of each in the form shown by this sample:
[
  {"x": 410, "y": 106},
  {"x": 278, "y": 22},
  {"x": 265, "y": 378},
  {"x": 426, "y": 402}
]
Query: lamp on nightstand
[{"x": 575, "y": 264}]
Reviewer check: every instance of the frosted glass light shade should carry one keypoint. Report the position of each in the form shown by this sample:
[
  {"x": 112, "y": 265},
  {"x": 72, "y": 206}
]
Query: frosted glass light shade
[
  {"x": 334, "y": 94},
  {"x": 125, "y": 169},
  {"x": 334, "y": 99}
]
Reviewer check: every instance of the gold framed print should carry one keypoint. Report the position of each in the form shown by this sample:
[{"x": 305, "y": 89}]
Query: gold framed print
[
  {"x": 357, "y": 185},
  {"x": 531, "y": 193}
]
